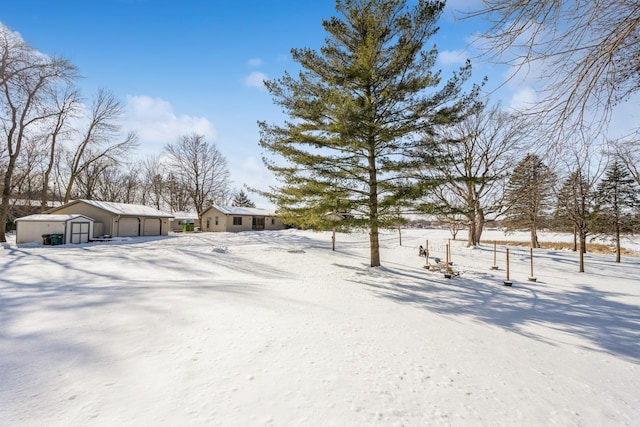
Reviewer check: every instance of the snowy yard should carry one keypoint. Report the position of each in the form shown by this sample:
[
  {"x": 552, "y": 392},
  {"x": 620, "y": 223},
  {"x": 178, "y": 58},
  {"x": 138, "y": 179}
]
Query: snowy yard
[{"x": 275, "y": 329}]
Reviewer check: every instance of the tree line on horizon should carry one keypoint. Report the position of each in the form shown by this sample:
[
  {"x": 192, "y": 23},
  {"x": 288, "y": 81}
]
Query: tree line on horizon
[
  {"x": 56, "y": 148},
  {"x": 372, "y": 128}
]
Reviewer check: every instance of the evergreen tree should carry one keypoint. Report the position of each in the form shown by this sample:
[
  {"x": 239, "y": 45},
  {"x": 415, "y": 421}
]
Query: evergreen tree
[
  {"x": 242, "y": 200},
  {"x": 528, "y": 195},
  {"x": 575, "y": 204},
  {"x": 616, "y": 202},
  {"x": 356, "y": 109}
]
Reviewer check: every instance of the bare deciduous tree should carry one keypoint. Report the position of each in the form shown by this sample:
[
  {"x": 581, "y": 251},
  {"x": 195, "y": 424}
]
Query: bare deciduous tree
[
  {"x": 154, "y": 181},
  {"x": 201, "y": 168},
  {"x": 28, "y": 80},
  {"x": 478, "y": 154},
  {"x": 97, "y": 142},
  {"x": 67, "y": 102},
  {"x": 588, "y": 49}
]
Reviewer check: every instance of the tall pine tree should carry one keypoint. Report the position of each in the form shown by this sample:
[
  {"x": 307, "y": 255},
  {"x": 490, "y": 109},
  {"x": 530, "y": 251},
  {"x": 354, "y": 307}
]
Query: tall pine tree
[
  {"x": 356, "y": 109},
  {"x": 242, "y": 200},
  {"x": 617, "y": 201},
  {"x": 575, "y": 205},
  {"x": 528, "y": 196}
]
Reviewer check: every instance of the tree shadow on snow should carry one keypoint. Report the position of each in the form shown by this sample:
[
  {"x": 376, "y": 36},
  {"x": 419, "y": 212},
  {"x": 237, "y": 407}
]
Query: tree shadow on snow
[{"x": 596, "y": 315}]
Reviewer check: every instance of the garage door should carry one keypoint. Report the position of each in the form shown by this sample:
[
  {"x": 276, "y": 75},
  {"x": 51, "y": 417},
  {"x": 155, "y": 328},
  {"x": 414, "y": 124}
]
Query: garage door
[
  {"x": 152, "y": 226},
  {"x": 129, "y": 227},
  {"x": 79, "y": 232}
]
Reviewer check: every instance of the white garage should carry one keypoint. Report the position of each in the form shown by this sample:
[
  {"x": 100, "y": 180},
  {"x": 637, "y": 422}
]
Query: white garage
[
  {"x": 119, "y": 219},
  {"x": 71, "y": 228},
  {"x": 152, "y": 227},
  {"x": 129, "y": 227}
]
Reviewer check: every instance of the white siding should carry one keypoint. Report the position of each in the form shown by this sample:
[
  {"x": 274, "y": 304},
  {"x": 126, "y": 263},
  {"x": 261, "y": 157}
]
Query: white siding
[{"x": 29, "y": 231}]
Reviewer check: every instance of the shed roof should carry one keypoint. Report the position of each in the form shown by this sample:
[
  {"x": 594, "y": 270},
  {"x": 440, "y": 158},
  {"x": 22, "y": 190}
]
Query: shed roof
[
  {"x": 52, "y": 217},
  {"x": 121, "y": 208},
  {"x": 238, "y": 210}
]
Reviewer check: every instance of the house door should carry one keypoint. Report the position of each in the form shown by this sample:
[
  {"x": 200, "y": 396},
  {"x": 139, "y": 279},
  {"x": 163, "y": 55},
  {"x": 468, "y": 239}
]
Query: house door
[
  {"x": 258, "y": 223},
  {"x": 79, "y": 232}
]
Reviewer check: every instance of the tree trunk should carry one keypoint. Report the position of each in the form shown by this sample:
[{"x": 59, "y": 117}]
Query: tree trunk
[
  {"x": 534, "y": 238},
  {"x": 6, "y": 191},
  {"x": 4, "y": 211},
  {"x": 373, "y": 207},
  {"x": 478, "y": 225},
  {"x": 375, "y": 246},
  {"x": 583, "y": 250},
  {"x": 471, "y": 235},
  {"x": 618, "y": 248}
]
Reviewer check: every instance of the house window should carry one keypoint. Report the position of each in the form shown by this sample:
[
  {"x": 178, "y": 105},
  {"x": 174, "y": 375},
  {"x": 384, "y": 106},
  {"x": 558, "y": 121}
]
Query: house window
[
  {"x": 273, "y": 221},
  {"x": 216, "y": 220},
  {"x": 237, "y": 220},
  {"x": 208, "y": 223}
]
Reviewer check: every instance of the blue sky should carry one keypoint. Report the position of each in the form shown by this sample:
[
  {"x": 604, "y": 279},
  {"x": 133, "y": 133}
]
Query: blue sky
[{"x": 197, "y": 66}]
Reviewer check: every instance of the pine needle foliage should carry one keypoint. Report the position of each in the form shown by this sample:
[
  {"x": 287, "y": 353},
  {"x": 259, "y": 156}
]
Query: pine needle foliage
[
  {"x": 617, "y": 204},
  {"x": 355, "y": 112},
  {"x": 528, "y": 196},
  {"x": 242, "y": 200}
]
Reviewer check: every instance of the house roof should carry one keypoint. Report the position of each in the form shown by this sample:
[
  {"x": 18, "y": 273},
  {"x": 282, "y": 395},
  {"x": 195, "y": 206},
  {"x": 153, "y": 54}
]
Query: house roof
[
  {"x": 125, "y": 209},
  {"x": 238, "y": 210},
  {"x": 185, "y": 215},
  {"x": 51, "y": 217}
]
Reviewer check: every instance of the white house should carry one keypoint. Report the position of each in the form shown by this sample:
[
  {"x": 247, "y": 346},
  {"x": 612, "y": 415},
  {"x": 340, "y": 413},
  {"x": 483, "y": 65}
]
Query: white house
[{"x": 232, "y": 218}]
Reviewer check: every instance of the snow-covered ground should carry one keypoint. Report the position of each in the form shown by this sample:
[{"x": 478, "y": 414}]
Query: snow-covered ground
[{"x": 274, "y": 328}]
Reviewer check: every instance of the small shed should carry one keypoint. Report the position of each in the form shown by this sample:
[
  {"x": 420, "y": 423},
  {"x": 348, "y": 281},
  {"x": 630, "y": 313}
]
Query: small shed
[{"x": 74, "y": 228}]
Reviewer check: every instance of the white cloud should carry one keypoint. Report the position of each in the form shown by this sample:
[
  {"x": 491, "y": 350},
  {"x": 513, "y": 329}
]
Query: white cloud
[
  {"x": 256, "y": 79},
  {"x": 250, "y": 171},
  {"x": 523, "y": 99},
  {"x": 156, "y": 124},
  {"x": 452, "y": 57},
  {"x": 255, "y": 62}
]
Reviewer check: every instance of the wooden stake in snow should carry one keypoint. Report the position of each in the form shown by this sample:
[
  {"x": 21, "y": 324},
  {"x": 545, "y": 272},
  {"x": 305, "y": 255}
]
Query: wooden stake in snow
[
  {"x": 447, "y": 254},
  {"x": 495, "y": 265},
  {"x": 447, "y": 273},
  {"x": 449, "y": 262},
  {"x": 508, "y": 282},
  {"x": 532, "y": 278},
  {"x": 426, "y": 254}
]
